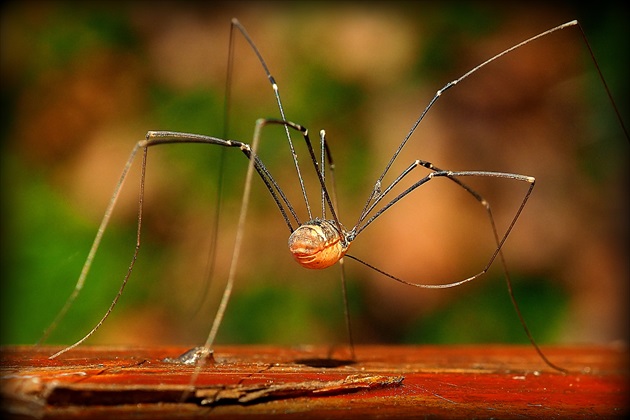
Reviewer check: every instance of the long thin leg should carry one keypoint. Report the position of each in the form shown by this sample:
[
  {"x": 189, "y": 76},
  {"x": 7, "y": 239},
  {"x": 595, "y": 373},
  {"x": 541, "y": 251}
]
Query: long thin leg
[
  {"x": 453, "y": 175},
  {"x": 456, "y": 81},
  {"x": 236, "y": 24},
  {"x": 326, "y": 155},
  {"x": 342, "y": 271},
  {"x": 229, "y": 286},
  {"x": 97, "y": 241},
  {"x": 499, "y": 241},
  {"x": 154, "y": 138},
  {"x": 239, "y": 238},
  {"x": 171, "y": 137},
  {"x": 227, "y": 103},
  {"x": 346, "y": 308},
  {"x": 309, "y": 145},
  {"x": 377, "y": 185}
]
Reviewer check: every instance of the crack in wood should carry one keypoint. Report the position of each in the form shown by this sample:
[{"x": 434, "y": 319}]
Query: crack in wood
[{"x": 249, "y": 394}]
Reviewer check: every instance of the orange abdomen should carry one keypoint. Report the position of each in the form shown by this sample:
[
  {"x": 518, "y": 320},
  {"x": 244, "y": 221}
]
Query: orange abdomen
[{"x": 317, "y": 244}]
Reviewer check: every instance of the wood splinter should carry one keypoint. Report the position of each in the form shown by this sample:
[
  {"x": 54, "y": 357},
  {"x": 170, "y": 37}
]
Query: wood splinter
[{"x": 248, "y": 394}]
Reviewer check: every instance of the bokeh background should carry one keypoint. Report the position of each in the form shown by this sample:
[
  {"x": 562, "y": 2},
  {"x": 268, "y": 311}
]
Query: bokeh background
[{"x": 82, "y": 82}]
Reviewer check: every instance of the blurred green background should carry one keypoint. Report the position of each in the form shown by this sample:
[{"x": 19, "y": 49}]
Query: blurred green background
[{"x": 83, "y": 81}]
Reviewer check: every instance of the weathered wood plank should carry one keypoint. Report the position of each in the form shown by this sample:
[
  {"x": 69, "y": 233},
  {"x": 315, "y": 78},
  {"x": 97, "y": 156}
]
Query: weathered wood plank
[{"x": 398, "y": 381}]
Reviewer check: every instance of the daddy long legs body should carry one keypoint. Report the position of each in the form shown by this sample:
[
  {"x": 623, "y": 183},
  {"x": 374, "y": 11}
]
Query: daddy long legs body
[{"x": 312, "y": 126}]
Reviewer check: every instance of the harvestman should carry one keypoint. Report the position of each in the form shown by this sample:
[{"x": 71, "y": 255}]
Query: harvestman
[{"x": 321, "y": 241}]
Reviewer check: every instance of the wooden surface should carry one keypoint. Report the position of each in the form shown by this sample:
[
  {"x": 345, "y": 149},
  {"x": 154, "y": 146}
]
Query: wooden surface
[{"x": 400, "y": 381}]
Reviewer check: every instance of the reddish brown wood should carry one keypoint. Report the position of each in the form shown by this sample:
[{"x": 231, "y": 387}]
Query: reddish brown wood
[{"x": 401, "y": 381}]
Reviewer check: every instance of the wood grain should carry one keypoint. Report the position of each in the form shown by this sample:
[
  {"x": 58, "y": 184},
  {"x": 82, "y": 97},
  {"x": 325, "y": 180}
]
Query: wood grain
[{"x": 384, "y": 381}]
